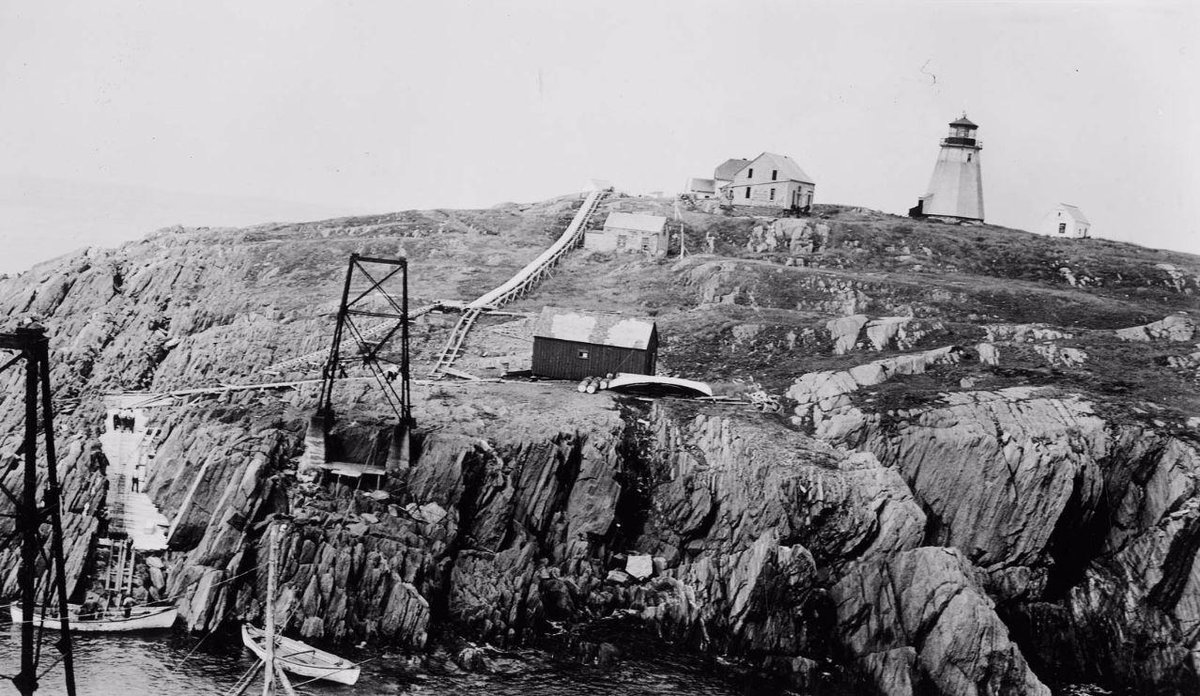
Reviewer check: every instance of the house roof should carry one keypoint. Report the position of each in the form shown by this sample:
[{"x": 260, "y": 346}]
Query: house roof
[
  {"x": 1075, "y": 213},
  {"x": 636, "y": 221},
  {"x": 728, "y": 168},
  {"x": 702, "y": 186},
  {"x": 598, "y": 328},
  {"x": 786, "y": 166},
  {"x": 964, "y": 121}
]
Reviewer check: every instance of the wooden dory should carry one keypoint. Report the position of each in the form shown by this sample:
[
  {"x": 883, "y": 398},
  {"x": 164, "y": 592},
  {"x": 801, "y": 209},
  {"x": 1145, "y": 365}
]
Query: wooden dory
[
  {"x": 139, "y": 619},
  {"x": 301, "y": 658}
]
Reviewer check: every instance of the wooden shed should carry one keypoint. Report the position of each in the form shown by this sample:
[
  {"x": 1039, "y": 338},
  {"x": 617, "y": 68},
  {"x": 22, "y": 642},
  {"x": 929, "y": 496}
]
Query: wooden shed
[
  {"x": 630, "y": 232},
  {"x": 571, "y": 344}
]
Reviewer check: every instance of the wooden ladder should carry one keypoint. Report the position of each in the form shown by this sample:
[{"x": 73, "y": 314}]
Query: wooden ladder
[{"x": 120, "y": 566}]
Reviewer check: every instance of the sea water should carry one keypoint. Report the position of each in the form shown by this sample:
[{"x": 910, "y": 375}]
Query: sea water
[{"x": 165, "y": 663}]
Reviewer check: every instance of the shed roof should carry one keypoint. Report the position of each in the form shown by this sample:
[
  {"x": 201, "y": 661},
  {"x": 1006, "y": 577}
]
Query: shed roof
[
  {"x": 728, "y": 168},
  {"x": 786, "y": 166},
  {"x": 598, "y": 328},
  {"x": 636, "y": 221},
  {"x": 1075, "y": 213}
]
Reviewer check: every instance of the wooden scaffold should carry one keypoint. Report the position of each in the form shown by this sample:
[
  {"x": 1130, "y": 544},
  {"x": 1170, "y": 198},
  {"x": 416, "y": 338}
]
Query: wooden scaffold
[{"x": 33, "y": 348}]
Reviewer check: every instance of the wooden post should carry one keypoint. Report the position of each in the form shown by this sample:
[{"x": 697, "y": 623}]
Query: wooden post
[
  {"x": 53, "y": 499},
  {"x": 269, "y": 674},
  {"x": 26, "y": 682}
]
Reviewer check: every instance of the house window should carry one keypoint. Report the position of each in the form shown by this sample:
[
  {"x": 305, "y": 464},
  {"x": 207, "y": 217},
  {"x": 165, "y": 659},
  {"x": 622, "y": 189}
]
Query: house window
[
  {"x": 774, "y": 174},
  {"x": 772, "y": 194},
  {"x": 750, "y": 173},
  {"x": 582, "y": 354},
  {"x": 747, "y": 192},
  {"x": 1062, "y": 228},
  {"x": 968, "y": 156}
]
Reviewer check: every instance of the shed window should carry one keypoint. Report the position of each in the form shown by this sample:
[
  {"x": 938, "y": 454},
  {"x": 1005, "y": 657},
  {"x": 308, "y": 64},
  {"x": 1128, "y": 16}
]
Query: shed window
[
  {"x": 774, "y": 174},
  {"x": 1062, "y": 228},
  {"x": 620, "y": 241},
  {"x": 645, "y": 244},
  {"x": 582, "y": 354}
]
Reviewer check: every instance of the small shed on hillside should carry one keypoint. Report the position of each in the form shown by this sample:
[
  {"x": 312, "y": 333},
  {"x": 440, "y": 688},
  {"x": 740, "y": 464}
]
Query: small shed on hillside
[
  {"x": 701, "y": 188},
  {"x": 630, "y": 232},
  {"x": 572, "y": 344},
  {"x": 1065, "y": 220}
]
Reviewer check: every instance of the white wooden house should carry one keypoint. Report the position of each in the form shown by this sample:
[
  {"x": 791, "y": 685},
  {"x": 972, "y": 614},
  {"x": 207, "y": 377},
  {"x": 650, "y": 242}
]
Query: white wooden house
[
  {"x": 770, "y": 181},
  {"x": 728, "y": 169},
  {"x": 701, "y": 188},
  {"x": 1065, "y": 221},
  {"x": 630, "y": 232}
]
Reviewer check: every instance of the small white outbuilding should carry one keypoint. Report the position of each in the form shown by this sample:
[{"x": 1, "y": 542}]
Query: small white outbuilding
[
  {"x": 1065, "y": 220},
  {"x": 630, "y": 232}
]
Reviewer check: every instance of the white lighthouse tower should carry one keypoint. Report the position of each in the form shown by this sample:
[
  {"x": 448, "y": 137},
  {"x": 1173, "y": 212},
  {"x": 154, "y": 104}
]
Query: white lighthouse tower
[{"x": 956, "y": 187}]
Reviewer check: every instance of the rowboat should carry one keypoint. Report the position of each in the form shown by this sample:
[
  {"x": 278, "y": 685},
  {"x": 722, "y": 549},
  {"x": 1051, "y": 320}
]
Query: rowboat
[
  {"x": 114, "y": 620},
  {"x": 300, "y": 658},
  {"x": 657, "y": 385}
]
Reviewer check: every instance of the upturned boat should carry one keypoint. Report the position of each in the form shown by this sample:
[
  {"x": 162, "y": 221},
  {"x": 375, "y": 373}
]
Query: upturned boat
[
  {"x": 111, "y": 621},
  {"x": 300, "y": 658}
]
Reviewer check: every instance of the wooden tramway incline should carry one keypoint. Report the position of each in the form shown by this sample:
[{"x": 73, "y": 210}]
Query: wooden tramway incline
[
  {"x": 520, "y": 284},
  {"x": 317, "y": 357}
]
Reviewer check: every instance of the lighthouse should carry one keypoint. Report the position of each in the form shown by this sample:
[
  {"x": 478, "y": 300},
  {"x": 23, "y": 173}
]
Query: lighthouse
[{"x": 956, "y": 187}]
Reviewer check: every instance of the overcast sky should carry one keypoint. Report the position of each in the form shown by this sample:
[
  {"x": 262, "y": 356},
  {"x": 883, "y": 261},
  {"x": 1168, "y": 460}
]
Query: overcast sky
[{"x": 120, "y": 117}]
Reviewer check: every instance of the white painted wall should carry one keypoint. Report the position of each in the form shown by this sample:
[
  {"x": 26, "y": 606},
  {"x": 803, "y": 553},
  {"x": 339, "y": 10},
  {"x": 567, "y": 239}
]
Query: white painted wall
[
  {"x": 614, "y": 239},
  {"x": 956, "y": 187},
  {"x": 1059, "y": 223}
]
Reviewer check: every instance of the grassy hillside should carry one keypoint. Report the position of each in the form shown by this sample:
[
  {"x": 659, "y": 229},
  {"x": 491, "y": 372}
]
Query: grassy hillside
[{"x": 227, "y": 303}]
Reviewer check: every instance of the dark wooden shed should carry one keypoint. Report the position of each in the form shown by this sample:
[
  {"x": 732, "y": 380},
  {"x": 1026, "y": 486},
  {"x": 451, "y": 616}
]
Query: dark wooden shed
[{"x": 571, "y": 344}]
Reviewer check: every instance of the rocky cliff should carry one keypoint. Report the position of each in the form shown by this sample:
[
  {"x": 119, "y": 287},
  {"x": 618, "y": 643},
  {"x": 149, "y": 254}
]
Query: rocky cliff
[{"x": 984, "y": 480}]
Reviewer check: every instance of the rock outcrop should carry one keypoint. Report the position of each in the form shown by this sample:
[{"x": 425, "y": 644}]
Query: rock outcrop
[
  {"x": 918, "y": 622},
  {"x": 1007, "y": 494},
  {"x": 1083, "y": 529}
]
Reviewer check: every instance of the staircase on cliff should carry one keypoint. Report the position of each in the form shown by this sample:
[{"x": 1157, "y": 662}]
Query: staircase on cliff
[
  {"x": 520, "y": 284},
  {"x": 131, "y": 513}
]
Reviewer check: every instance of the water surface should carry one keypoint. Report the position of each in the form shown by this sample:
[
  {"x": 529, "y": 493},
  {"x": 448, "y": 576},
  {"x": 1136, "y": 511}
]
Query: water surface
[{"x": 159, "y": 665}]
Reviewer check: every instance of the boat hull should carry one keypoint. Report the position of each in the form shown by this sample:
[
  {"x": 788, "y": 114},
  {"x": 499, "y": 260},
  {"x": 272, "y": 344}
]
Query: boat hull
[
  {"x": 302, "y": 659},
  {"x": 144, "y": 619}
]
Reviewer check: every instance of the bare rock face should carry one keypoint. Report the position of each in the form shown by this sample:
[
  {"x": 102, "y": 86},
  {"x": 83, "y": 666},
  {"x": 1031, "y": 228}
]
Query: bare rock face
[
  {"x": 1176, "y": 327},
  {"x": 751, "y": 522},
  {"x": 1084, "y": 530},
  {"x": 919, "y": 623}
]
